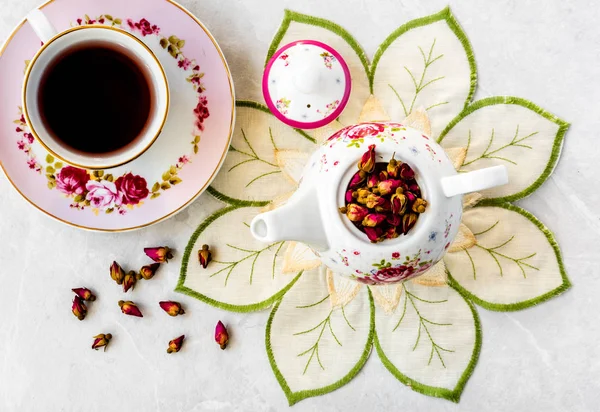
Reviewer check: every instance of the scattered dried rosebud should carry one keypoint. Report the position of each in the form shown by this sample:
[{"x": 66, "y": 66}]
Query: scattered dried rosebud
[
  {"x": 393, "y": 168},
  {"x": 130, "y": 308},
  {"x": 367, "y": 161},
  {"x": 117, "y": 273},
  {"x": 221, "y": 335},
  {"x": 394, "y": 220},
  {"x": 356, "y": 180},
  {"x": 101, "y": 340},
  {"x": 372, "y": 181},
  {"x": 148, "y": 271},
  {"x": 172, "y": 308},
  {"x": 391, "y": 233},
  {"x": 84, "y": 293},
  {"x": 79, "y": 309},
  {"x": 406, "y": 172},
  {"x": 175, "y": 344},
  {"x": 398, "y": 204},
  {"x": 419, "y": 206},
  {"x": 348, "y": 197},
  {"x": 204, "y": 256},
  {"x": 373, "y": 233},
  {"x": 356, "y": 213},
  {"x": 159, "y": 254},
  {"x": 373, "y": 219},
  {"x": 388, "y": 186},
  {"x": 408, "y": 221},
  {"x": 129, "y": 281}
]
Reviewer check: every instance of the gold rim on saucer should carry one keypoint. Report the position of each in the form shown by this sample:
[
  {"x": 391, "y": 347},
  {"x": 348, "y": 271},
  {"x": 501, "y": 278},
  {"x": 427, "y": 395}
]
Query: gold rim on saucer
[{"x": 26, "y": 81}]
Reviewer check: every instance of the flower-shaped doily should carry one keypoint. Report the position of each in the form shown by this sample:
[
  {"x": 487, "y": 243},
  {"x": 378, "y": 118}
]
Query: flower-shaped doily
[{"x": 426, "y": 331}]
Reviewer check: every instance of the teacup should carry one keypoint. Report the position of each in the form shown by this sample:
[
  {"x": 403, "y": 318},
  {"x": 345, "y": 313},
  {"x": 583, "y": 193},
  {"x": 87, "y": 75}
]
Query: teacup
[{"x": 43, "y": 99}]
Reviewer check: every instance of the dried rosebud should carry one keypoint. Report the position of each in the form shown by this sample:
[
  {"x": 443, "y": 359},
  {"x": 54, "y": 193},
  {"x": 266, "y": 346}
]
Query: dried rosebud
[
  {"x": 204, "y": 256},
  {"x": 343, "y": 209},
  {"x": 391, "y": 233},
  {"x": 383, "y": 175},
  {"x": 398, "y": 203},
  {"x": 373, "y": 219},
  {"x": 84, "y": 293},
  {"x": 388, "y": 186},
  {"x": 408, "y": 221},
  {"x": 419, "y": 206},
  {"x": 130, "y": 308},
  {"x": 410, "y": 196},
  {"x": 147, "y": 272},
  {"x": 221, "y": 335},
  {"x": 406, "y": 172},
  {"x": 159, "y": 254},
  {"x": 413, "y": 187},
  {"x": 393, "y": 168},
  {"x": 348, "y": 196},
  {"x": 79, "y": 309},
  {"x": 356, "y": 213},
  {"x": 172, "y": 308},
  {"x": 175, "y": 344},
  {"x": 129, "y": 281},
  {"x": 356, "y": 180},
  {"x": 367, "y": 161},
  {"x": 394, "y": 220},
  {"x": 386, "y": 206},
  {"x": 373, "y": 233},
  {"x": 101, "y": 340},
  {"x": 362, "y": 195},
  {"x": 372, "y": 181},
  {"x": 117, "y": 273},
  {"x": 374, "y": 200}
]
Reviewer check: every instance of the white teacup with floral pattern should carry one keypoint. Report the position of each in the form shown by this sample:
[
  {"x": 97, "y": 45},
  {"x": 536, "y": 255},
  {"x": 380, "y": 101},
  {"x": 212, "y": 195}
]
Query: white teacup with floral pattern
[{"x": 54, "y": 45}]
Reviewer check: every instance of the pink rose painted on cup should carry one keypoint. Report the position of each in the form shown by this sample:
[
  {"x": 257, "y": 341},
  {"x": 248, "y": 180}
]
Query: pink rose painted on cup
[
  {"x": 102, "y": 195},
  {"x": 361, "y": 131},
  {"x": 72, "y": 180},
  {"x": 131, "y": 189}
]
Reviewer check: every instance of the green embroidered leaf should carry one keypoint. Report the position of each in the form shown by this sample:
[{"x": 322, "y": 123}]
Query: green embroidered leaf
[
  {"x": 322, "y": 348},
  {"x": 428, "y": 63},
  {"x": 297, "y": 26},
  {"x": 250, "y": 170},
  {"x": 508, "y": 131},
  {"x": 431, "y": 342},
  {"x": 244, "y": 275},
  {"x": 515, "y": 264}
]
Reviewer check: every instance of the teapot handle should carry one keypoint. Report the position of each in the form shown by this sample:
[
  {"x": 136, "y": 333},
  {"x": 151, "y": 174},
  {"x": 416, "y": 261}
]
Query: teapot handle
[{"x": 474, "y": 181}]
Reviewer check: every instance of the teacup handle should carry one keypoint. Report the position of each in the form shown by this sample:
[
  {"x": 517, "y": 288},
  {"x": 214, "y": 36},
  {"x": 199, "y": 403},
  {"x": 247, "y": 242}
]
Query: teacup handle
[
  {"x": 41, "y": 25},
  {"x": 475, "y": 181}
]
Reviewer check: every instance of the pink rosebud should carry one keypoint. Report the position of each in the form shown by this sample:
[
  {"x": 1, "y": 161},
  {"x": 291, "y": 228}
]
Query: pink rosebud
[
  {"x": 393, "y": 168},
  {"x": 148, "y": 271},
  {"x": 410, "y": 196},
  {"x": 172, "y": 308},
  {"x": 129, "y": 281},
  {"x": 221, "y": 335},
  {"x": 388, "y": 186},
  {"x": 349, "y": 196},
  {"x": 391, "y": 233},
  {"x": 394, "y": 220},
  {"x": 372, "y": 181},
  {"x": 159, "y": 254},
  {"x": 175, "y": 344},
  {"x": 408, "y": 221},
  {"x": 117, "y": 273},
  {"x": 373, "y": 219},
  {"x": 204, "y": 256},
  {"x": 383, "y": 175},
  {"x": 356, "y": 180},
  {"x": 101, "y": 340},
  {"x": 406, "y": 172},
  {"x": 79, "y": 309},
  {"x": 373, "y": 233},
  {"x": 130, "y": 308},
  {"x": 356, "y": 213},
  {"x": 398, "y": 203},
  {"x": 374, "y": 200},
  {"x": 84, "y": 294},
  {"x": 367, "y": 161}
]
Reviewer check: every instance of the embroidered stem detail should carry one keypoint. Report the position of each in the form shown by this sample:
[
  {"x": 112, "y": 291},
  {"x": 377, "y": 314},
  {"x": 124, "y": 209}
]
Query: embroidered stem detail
[
  {"x": 487, "y": 154},
  {"x": 253, "y": 157},
  {"x": 251, "y": 254}
]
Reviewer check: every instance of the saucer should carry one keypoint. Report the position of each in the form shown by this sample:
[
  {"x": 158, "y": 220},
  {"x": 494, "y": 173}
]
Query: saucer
[{"x": 180, "y": 164}]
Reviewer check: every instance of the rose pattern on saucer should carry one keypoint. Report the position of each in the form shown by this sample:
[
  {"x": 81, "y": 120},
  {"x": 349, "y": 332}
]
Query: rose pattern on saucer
[{"x": 99, "y": 190}]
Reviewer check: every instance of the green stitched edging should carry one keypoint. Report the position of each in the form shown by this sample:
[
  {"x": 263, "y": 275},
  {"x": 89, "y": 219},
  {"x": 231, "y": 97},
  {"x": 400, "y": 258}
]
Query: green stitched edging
[
  {"x": 452, "y": 395},
  {"x": 556, "y": 149},
  {"x": 445, "y": 14},
  {"x": 294, "y": 397},
  {"x": 258, "y": 106},
  {"x": 510, "y": 307},
  {"x": 236, "y": 202},
  {"x": 181, "y": 288},
  {"x": 290, "y": 16}
]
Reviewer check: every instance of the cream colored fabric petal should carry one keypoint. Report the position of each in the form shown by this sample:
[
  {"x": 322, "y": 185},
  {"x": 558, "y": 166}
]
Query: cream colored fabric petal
[
  {"x": 341, "y": 290},
  {"x": 387, "y": 297},
  {"x": 373, "y": 111},
  {"x": 471, "y": 199},
  {"x": 419, "y": 119},
  {"x": 291, "y": 162},
  {"x": 323, "y": 133},
  {"x": 299, "y": 257},
  {"x": 457, "y": 156},
  {"x": 464, "y": 239},
  {"x": 436, "y": 276},
  {"x": 278, "y": 201}
]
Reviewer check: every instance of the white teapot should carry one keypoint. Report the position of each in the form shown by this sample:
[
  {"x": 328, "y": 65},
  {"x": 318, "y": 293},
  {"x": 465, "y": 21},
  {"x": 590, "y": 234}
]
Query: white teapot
[{"x": 312, "y": 214}]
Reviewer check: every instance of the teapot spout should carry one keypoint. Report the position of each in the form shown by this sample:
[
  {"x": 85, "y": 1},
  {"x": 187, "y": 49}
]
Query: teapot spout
[{"x": 298, "y": 220}]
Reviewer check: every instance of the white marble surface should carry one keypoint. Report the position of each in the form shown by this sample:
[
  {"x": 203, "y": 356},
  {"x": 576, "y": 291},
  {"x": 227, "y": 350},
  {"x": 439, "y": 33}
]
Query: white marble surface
[{"x": 545, "y": 358}]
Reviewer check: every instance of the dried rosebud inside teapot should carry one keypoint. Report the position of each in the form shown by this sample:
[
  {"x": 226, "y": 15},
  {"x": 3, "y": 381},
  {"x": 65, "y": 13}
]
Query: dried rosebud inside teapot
[{"x": 383, "y": 200}]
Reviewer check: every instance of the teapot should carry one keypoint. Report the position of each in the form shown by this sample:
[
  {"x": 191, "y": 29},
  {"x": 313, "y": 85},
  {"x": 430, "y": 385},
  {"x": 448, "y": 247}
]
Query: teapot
[{"x": 312, "y": 214}]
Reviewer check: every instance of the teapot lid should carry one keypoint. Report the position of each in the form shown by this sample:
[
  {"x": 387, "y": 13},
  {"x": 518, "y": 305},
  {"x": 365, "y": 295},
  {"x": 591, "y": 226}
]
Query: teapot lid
[{"x": 306, "y": 84}]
